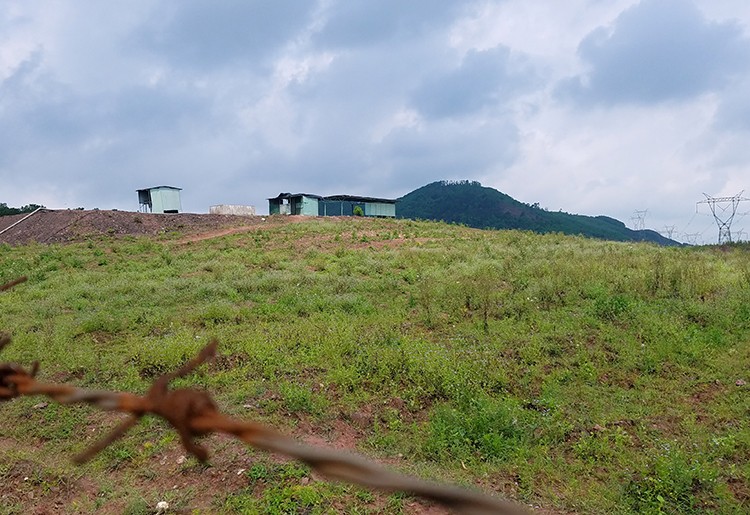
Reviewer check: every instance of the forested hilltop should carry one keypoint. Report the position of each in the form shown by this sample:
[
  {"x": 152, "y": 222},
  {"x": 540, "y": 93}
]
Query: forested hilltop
[{"x": 474, "y": 205}]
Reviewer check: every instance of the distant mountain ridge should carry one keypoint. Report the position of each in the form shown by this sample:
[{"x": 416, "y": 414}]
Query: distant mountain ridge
[{"x": 474, "y": 205}]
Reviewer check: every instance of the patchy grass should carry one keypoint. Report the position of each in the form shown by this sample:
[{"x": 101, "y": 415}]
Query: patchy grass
[{"x": 573, "y": 374}]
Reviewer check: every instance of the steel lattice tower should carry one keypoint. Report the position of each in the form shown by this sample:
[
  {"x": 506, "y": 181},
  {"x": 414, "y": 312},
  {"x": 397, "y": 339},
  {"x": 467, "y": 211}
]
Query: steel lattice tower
[
  {"x": 692, "y": 238},
  {"x": 639, "y": 220},
  {"x": 723, "y": 209}
]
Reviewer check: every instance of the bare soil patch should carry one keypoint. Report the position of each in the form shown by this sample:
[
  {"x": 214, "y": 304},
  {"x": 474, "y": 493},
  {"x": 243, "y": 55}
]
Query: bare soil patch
[{"x": 62, "y": 226}]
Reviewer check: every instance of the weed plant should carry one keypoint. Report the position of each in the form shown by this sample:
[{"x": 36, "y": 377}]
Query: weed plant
[{"x": 574, "y": 374}]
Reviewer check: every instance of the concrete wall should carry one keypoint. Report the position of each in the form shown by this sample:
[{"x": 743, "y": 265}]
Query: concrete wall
[{"x": 232, "y": 209}]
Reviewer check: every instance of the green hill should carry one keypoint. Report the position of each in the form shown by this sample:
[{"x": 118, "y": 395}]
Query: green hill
[
  {"x": 474, "y": 205},
  {"x": 573, "y": 374}
]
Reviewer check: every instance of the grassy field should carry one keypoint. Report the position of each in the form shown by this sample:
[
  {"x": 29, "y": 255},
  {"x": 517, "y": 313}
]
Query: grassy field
[{"x": 570, "y": 374}]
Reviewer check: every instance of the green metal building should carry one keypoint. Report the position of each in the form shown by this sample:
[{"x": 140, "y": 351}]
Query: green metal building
[
  {"x": 294, "y": 204},
  {"x": 160, "y": 199},
  {"x": 334, "y": 205},
  {"x": 344, "y": 205}
]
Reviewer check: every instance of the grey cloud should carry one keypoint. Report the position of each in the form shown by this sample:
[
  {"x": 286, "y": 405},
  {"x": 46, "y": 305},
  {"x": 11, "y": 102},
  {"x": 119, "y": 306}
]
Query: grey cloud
[
  {"x": 36, "y": 110},
  {"x": 339, "y": 153},
  {"x": 149, "y": 110},
  {"x": 449, "y": 150},
  {"x": 348, "y": 105},
  {"x": 41, "y": 109},
  {"x": 10, "y": 18},
  {"x": 484, "y": 78},
  {"x": 656, "y": 51},
  {"x": 343, "y": 109},
  {"x": 733, "y": 112},
  {"x": 106, "y": 140},
  {"x": 355, "y": 23},
  {"x": 408, "y": 157},
  {"x": 372, "y": 79},
  {"x": 208, "y": 35},
  {"x": 42, "y": 117}
]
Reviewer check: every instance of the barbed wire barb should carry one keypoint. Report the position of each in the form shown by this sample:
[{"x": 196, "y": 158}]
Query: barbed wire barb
[{"x": 193, "y": 413}]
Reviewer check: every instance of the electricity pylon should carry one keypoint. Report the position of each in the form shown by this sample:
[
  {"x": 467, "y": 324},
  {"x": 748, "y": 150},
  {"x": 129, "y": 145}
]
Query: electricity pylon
[
  {"x": 692, "y": 238},
  {"x": 720, "y": 208},
  {"x": 639, "y": 220},
  {"x": 670, "y": 229}
]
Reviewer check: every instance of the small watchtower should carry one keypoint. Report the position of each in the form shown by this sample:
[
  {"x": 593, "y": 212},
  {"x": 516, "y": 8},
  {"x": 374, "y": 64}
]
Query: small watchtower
[{"x": 159, "y": 199}]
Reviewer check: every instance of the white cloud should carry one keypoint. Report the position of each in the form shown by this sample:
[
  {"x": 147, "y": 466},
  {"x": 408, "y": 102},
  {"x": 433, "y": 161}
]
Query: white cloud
[
  {"x": 549, "y": 31},
  {"x": 237, "y": 101},
  {"x": 206, "y": 36},
  {"x": 484, "y": 79},
  {"x": 608, "y": 161},
  {"x": 656, "y": 51}
]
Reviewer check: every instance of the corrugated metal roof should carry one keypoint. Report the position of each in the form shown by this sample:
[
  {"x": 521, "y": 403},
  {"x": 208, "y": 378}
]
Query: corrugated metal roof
[
  {"x": 356, "y": 198},
  {"x": 157, "y": 187},
  {"x": 335, "y": 198},
  {"x": 290, "y": 195}
]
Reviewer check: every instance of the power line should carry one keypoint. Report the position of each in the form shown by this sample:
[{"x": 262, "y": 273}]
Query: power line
[
  {"x": 691, "y": 220},
  {"x": 724, "y": 209},
  {"x": 704, "y": 232}
]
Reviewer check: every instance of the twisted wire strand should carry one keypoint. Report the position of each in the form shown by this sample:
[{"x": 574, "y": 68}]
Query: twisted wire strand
[{"x": 193, "y": 413}]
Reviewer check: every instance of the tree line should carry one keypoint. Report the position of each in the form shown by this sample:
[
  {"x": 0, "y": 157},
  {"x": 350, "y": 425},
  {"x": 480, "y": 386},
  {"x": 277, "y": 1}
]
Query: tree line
[{"x": 5, "y": 210}]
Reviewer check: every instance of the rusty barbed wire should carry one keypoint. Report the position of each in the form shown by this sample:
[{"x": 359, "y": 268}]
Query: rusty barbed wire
[
  {"x": 193, "y": 413},
  {"x": 11, "y": 284}
]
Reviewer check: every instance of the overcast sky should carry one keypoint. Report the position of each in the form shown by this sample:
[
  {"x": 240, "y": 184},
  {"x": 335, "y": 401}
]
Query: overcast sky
[{"x": 589, "y": 106}]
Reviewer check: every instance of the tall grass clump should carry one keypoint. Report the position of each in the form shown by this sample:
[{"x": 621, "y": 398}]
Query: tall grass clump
[{"x": 479, "y": 429}]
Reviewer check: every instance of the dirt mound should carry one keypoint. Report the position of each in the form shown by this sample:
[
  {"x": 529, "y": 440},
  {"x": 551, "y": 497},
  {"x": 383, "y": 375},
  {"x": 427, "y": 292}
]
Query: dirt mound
[{"x": 60, "y": 226}]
